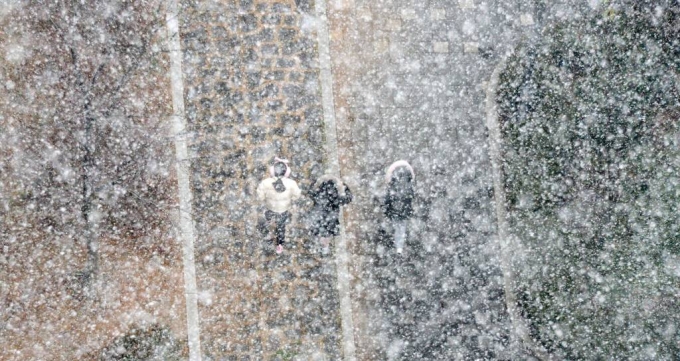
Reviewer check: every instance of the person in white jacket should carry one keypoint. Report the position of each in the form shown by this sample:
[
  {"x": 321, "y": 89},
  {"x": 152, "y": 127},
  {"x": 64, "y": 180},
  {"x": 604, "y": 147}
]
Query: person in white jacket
[{"x": 278, "y": 194}]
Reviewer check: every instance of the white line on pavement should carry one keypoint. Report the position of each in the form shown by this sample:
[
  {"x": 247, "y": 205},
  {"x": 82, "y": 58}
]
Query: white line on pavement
[
  {"x": 331, "y": 145},
  {"x": 520, "y": 327},
  {"x": 186, "y": 222}
]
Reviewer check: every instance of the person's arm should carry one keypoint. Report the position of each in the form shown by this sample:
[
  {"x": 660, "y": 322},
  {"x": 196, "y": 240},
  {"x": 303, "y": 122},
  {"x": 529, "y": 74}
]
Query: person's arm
[
  {"x": 312, "y": 193},
  {"x": 295, "y": 191},
  {"x": 386, "y": 201},
  {"x": 347, "y": 198},
  {"x": 261, "y": 192}
]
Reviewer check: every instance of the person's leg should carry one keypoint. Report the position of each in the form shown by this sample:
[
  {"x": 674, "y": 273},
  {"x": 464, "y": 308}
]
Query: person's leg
[
  {"x": 399, "y": 234},
  {"x": 325, "y": 244},
  {"x": 263, "y": 224},
  {"x": 281, "y": 230},
  {"x": 331, "y": 230}
]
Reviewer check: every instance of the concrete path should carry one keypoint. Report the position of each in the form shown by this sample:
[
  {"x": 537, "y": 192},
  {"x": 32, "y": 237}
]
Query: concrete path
[{"x": 411, "y": 81}]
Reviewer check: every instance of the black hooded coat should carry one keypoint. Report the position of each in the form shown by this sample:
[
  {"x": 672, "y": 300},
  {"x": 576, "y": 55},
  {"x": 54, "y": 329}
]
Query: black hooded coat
[
  {"x": 328, "y": 196},
  {"x": 398, "y": 204}
]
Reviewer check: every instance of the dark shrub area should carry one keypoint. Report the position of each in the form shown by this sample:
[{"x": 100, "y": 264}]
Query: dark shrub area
[{"x": 589, "y": 120}]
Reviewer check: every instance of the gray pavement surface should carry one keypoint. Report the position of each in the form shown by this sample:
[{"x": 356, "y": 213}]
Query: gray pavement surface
[{"x": 410, "y": 84}]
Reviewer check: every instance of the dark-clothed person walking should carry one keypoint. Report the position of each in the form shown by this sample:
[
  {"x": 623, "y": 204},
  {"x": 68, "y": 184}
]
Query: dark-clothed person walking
[
  {"x": 398, "y": 204},
  {"x": 328, "y": 194}
]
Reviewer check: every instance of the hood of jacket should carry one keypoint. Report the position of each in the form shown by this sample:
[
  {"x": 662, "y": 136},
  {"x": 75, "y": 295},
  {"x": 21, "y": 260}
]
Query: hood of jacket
[
  {"x": 398, "y": 164},
  {"x": 339, "y": 184}
]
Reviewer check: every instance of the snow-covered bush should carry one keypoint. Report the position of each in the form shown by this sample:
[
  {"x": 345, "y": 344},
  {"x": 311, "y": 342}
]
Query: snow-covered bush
[{"x": 590, "y": 129}]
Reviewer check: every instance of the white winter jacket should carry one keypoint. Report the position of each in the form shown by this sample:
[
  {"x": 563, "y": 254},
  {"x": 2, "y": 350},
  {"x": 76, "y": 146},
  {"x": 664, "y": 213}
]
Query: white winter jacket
[{"x": 275, "y": 201}]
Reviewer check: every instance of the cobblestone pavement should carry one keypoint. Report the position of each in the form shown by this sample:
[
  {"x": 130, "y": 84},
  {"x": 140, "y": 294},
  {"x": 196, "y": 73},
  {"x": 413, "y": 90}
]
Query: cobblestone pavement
[{"x": 252, "y": 93}]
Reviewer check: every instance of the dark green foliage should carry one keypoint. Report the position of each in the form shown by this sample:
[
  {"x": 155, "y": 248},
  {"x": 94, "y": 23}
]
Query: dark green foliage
[
  {"x": 153, "y": 343},
  {"x": 590, "y": 124}
]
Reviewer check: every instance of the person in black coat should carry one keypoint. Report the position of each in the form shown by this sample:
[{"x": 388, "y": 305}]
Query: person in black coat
[
  {"x": 328, "y": 194},
  {"x": 398, "y": 203}
]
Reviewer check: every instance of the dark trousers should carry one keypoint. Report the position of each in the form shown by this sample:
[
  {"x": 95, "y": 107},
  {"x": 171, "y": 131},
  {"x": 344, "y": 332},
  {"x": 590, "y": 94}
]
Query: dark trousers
[{"x": 281, "y": 219}]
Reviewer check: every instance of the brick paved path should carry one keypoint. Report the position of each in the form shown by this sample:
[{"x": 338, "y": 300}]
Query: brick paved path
[{"x": 252, "y": 92}]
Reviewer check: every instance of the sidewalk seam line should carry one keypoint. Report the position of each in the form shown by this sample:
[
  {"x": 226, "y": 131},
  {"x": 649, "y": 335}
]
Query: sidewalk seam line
[
  {"x": 186, "y": 222},
  {"x": 504, "y": 239},
  {"x": 331, "y": 145}
]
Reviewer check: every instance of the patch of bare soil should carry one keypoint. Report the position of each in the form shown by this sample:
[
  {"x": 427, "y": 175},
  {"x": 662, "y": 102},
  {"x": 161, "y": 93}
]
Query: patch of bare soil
[{"x": 51, "y": 311}]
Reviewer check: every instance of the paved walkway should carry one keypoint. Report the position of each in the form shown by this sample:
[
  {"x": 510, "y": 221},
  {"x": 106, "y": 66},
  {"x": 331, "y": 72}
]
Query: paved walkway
[
  {"x": 252, "y": 93},
  {"x": 409, "y": 82}
]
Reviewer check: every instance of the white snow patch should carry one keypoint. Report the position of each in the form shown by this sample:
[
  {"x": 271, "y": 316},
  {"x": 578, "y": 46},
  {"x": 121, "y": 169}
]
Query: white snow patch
[
  {"x": 205, "y": 297},
  {"x": 309, "y": 23},
  {"x": 394, "y": 349}
]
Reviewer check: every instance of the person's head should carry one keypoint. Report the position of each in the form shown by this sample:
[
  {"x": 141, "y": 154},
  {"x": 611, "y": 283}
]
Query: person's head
[
  {"x": 280, "y": 169},
  {"x": 328, "y": 187},
  {"x": 402, "y": 175},
  {"x": 280, "y": 164}
]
